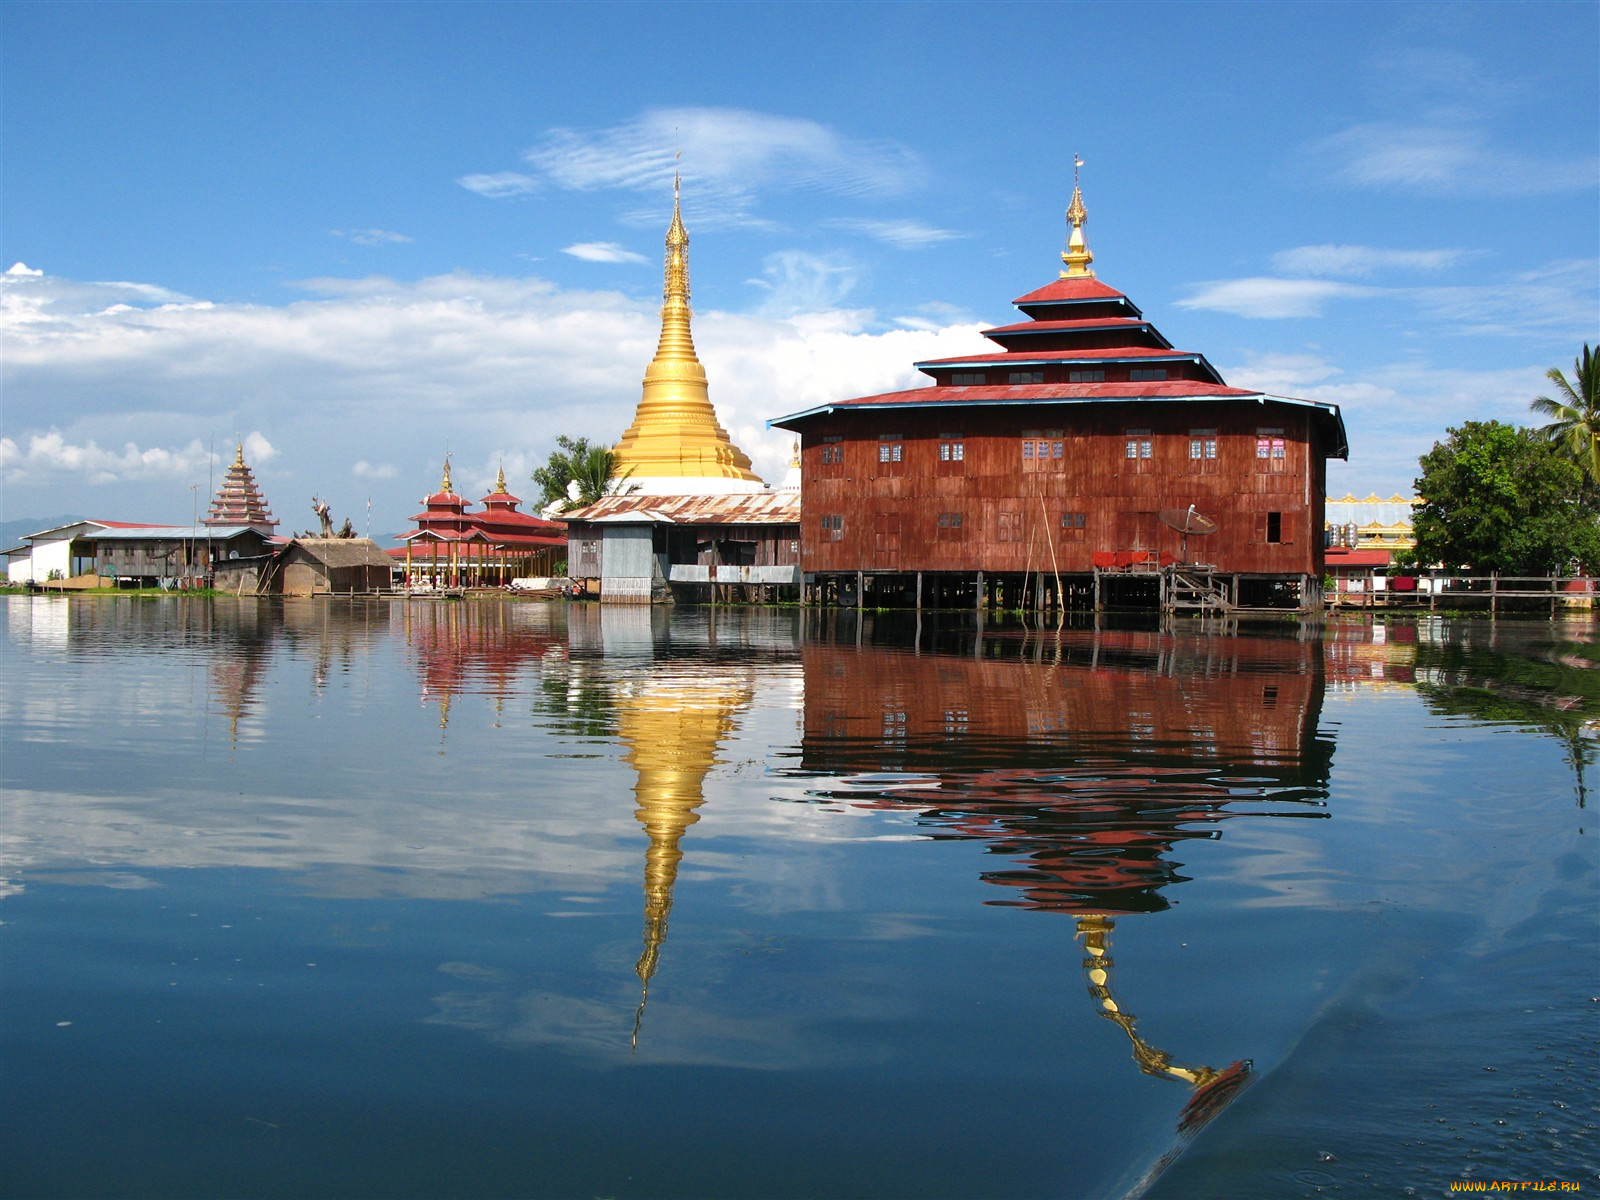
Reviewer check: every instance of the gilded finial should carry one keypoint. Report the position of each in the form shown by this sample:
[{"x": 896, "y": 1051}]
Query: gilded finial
[
  {"x": 794, "y": 456},
  {"x": 500, "y": 480},
  {"x": 445, "y": 485},
  {"x": 238, "y": 455},
  {"x": 1076, "y": 257}
]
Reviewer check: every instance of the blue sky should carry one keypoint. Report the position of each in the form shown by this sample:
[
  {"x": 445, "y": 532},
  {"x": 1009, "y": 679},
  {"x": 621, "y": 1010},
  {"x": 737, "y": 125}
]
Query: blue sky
[{"x": 360, "y": 236}]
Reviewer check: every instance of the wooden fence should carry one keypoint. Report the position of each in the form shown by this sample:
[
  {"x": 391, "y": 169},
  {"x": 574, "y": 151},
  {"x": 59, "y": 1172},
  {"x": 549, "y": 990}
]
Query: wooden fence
[{"x": 1436, "y": 590}]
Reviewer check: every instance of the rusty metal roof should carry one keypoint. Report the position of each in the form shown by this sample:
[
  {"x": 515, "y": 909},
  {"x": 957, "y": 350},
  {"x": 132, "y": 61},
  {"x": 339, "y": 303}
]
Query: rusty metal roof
[{"x": 736, "y": 508}]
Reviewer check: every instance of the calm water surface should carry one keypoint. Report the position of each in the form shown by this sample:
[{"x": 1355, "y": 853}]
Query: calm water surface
[{"x": 331, "y": 898}]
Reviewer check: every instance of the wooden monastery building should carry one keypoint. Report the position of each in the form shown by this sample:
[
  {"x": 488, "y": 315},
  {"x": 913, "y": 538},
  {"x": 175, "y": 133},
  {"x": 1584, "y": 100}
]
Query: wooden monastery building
[
  {"x": 452, "y": 548},
  {"x": 689, "y": 518},
  {"x": 1083, "y": 460}
]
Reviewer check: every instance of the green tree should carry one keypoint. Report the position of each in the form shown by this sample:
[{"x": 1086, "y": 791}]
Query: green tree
[
  {"x": 592, "y": 467},
  {"x": 1499, "y": 498},
  {"x": 1574, "y": 413}
]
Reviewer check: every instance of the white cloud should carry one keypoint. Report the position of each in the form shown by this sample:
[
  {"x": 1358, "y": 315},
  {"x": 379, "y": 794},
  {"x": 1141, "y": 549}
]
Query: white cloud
[
  {"x": 1393, "y": 412},
  {"x": 371, "y": 237},
  {"x": 1441, "y": 158},
  {"x": 603, "y": 252},
  {"x": 500, "y": 184},
  {"x": 1270, "y": 298},
  {"x": 51, "y": 455},
  {"x": 21, "y": 269},
  {"x": 1281, "y": 374},
  {"x": 1360, "y": 260},
  {"x": 727, "y": 157},
  {"x": 257, "y": 449},
  {"x": 797, "y": 281},
  {"x": 363, "y": 386},
  {"x": 902, "y": 235}
]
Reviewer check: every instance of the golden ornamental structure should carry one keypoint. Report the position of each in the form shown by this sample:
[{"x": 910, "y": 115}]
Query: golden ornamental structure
[
  {"x": 675, "y": 445},
  {"x": 1076, "y": 256}
]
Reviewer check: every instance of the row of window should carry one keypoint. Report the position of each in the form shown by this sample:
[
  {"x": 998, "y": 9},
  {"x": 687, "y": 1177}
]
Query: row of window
[
  {"x": 1081, "y": 375},
  {"x": 1047, "y": 450},
  {"x": 1012, "y": 526}
]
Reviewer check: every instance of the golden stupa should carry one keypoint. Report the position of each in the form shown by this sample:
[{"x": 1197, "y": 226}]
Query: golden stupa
[{"x": 675, "y": 445}]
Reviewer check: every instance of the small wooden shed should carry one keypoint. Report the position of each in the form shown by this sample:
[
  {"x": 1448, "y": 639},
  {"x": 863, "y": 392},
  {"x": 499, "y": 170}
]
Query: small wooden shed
[{"x": 307, "y": 566}]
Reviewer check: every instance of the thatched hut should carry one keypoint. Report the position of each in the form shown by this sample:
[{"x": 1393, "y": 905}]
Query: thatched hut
[{"x": 307, "y": 566}]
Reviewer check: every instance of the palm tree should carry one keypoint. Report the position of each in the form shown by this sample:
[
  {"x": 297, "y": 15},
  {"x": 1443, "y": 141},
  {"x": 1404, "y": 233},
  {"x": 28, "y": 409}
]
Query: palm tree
[
  {"x": 591, "y": 467},
  {"x": 1575, "y": 414},
  {"x": 595, "y": 472}
]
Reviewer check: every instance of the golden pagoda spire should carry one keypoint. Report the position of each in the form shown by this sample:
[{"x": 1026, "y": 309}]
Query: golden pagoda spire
[
  {"x": 444, "y": 485},
  {"x": 238, "y": 454},
  {"x": 500, "y": 480},
  {"x": 1076, "y": 256},
  {"x": 675, "y": 435}
]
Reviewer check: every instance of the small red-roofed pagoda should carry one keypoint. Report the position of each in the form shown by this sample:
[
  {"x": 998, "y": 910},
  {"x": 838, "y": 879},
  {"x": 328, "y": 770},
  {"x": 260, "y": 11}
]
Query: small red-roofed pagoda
[
  {"x": 1082, "y": 461},
  {"x": 452, "y": 547},
  {"x": 239, "y": 501}
]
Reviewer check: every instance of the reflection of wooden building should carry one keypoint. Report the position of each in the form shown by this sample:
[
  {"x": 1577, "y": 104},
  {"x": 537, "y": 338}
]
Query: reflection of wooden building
[
  {"x": 1085, "y": 766},
  {"x": 1085, "y": 761},
  {"x": 451, "y": 547},
  {"x": 1050, "y": 469},
  {"x": 690, "y": 519}
]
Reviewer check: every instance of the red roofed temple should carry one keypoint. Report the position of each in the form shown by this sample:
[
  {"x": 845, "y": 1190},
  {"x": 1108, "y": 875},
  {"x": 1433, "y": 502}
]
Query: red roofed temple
[
  {"x": 1083, "y": 461},
  {"x": 239, "y": 501},
  {"x": 452, "y": 547}
]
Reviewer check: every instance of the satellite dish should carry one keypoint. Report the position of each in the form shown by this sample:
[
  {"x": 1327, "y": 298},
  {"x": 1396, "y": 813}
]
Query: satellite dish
[{"x": 1187, "y": 521}]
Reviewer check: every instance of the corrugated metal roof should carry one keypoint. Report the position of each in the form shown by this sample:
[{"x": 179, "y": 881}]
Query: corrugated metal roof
[
  {"x": 738, "y": 508},
  {"x": 171, "y": 533}
]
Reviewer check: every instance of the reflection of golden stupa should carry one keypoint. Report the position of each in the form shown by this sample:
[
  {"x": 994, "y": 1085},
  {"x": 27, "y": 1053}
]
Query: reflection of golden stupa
[
  {"x": 1213, "y": 1088},
  {"x": 675, "y": 445},
  {"x": 672, "y": 742}
]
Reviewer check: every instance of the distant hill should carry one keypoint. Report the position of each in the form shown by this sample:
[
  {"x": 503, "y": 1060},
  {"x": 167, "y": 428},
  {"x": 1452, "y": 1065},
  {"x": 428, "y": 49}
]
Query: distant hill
[{"x": 12, "y": 532}]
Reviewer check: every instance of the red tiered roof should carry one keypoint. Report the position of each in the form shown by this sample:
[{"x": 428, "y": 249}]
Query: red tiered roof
[
  {"x": 239, "y": 500},
  {"x": 1076, "y": 323},
  {"x": 445, "y": 518},
  {"x": 1068, "y": 290}
]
